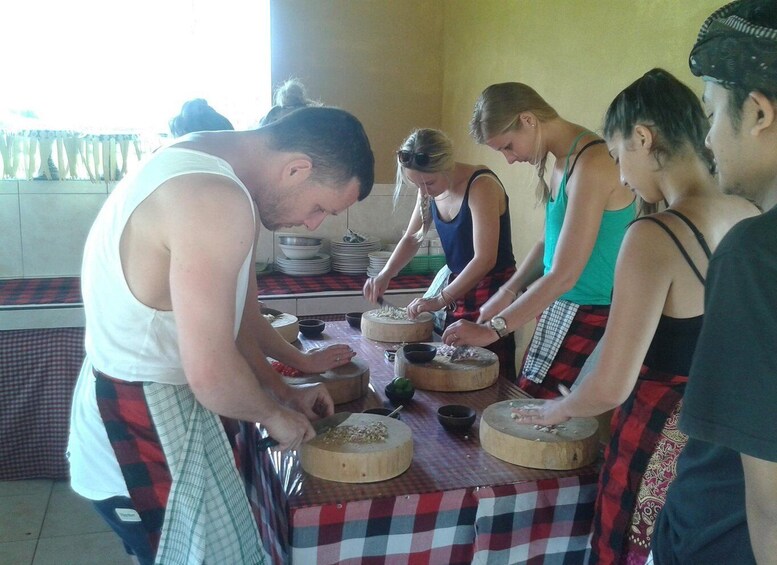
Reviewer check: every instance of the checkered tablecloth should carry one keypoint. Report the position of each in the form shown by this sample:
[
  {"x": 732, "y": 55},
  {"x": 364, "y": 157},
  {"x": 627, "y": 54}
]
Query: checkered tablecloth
[
  {"x": 38, "y": 372},
  {"x": 454, "y": 504},
  {"x": 39, "y": 292},
  {"x": 67, "y": 290},
  {"x": 275, "y": 284}
]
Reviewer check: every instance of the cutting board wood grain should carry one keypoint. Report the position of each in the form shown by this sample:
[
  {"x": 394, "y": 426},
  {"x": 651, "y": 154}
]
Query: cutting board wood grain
[
  {"x": 397, "y": 331},
  {"x": 345, "y": 383},
  {"x": 360, "y": 463},
  {"x": 440, "y": 374},
  {"x": 285, "y": 324},
  {"x": 575, "y": 445}
]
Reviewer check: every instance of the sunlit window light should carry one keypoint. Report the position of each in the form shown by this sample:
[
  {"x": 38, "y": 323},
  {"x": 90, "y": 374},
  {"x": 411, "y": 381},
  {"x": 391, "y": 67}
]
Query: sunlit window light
[{"x": 105, "y": 66}]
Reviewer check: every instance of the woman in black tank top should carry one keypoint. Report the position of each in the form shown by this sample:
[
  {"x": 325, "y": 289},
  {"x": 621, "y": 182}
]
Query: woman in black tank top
[{"x": 655, "y": 131}]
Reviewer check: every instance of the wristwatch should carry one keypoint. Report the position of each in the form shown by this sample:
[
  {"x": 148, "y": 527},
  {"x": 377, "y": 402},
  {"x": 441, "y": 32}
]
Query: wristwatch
[{"x": 499, "y": 325}]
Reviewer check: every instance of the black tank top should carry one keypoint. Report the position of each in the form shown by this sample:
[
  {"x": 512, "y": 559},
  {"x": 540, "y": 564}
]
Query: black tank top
[{"x": 674, "y": 342}]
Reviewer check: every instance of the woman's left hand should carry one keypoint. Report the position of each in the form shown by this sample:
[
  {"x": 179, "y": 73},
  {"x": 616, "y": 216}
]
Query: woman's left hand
[
  {"x": 464, "y": 332},
  {"x": 320, "y": 360},
  {"x": 546, "y": 413},
  {"x": 419, "y": 305}
]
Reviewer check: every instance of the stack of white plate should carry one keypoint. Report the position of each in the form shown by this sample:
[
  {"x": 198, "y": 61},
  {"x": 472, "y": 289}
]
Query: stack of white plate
[
  {"x": 352, "y": 258},
  {"x": 317, "y": 265},
  {"x": 378, "y": 260}
]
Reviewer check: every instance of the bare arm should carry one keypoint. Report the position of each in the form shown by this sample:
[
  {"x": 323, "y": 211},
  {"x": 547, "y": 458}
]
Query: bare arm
[
  {"x": 404, "y": 252},
  {"x": 642, "y": 282},
  {"x": 530, "y": 269},
  {"x": 761, "y": 504},
  {"x": 209, "y": 232},
  {"x": 595, "y": 178},
  {"x": 587, "y": 193}
]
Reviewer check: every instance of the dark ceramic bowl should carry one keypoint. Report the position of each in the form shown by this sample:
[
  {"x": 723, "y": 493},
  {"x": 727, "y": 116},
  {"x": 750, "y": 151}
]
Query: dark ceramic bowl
[
  {"x": 455, "y": 417},
  {"x": 382, "y": 412},
  {"x": 419, "y": 352},
  {"x": 311, "y": 328},
  {"x": 354, "y": 319},
  {"x": 397, "y": 397}
]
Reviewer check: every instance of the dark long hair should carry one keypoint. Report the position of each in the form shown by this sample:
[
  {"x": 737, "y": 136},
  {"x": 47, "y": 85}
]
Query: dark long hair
[{"x": 658, "y": 100}]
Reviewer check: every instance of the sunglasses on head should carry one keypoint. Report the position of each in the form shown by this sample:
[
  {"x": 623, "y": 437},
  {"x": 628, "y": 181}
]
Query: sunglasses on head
[{"x": 408, "y": 158}]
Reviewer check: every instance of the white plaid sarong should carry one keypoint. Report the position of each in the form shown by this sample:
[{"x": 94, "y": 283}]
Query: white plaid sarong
[
  {"x": 439, "y": 282},
  {"x": 551, "y": 330},
  {"x": 207, "y": 518}
]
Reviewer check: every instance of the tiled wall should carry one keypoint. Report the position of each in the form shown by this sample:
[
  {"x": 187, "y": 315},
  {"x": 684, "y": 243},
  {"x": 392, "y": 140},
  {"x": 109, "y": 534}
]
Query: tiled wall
[{"x": 44, "y": 224}]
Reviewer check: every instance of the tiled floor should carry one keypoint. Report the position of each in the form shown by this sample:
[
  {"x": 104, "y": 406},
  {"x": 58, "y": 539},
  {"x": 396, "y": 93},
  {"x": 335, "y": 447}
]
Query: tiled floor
[{"x": 45, "y": 523}]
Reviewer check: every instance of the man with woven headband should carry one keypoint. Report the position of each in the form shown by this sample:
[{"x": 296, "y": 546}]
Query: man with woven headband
[{"x": 722, "y": 507}]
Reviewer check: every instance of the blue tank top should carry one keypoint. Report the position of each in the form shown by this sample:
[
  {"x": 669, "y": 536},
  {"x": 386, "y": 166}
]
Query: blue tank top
[
  {"x": 456, "y": 235},
  {"x": 594, "y": 287}
]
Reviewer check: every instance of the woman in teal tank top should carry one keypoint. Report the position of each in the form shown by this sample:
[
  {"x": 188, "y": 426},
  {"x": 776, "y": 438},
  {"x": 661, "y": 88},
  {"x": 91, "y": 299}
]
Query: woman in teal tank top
[{"x": 566, "y": 279}]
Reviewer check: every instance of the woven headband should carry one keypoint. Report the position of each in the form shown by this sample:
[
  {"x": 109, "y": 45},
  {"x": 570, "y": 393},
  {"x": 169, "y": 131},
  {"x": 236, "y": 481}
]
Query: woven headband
[{"x": 734, "y": 52}]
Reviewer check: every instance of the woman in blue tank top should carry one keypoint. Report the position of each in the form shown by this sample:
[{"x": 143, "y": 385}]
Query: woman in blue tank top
[
  {"x": 567, "y": 276},
  {"x": 470, "y": 210}
]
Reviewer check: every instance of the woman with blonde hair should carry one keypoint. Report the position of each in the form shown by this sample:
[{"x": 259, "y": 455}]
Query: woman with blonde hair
[
  {"x": 566, "y": 279},
  {"x": 470, "y": 210},
  {"x": 655, "y": 129}
]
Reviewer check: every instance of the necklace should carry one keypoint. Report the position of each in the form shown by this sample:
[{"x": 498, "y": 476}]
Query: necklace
[{"x": 448, "y": 190}]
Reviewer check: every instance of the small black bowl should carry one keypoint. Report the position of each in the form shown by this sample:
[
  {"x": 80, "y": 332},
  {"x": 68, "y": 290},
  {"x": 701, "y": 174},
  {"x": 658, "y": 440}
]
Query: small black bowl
[
  {"x": 311, "y": 328},
  {"x": 419, "y": 352},
  {"x": 455, "y": 417},
  {"x": 354, "y": 319},
  {"x": 382, "y": 412},
  {"x": 397, "y": 397}
]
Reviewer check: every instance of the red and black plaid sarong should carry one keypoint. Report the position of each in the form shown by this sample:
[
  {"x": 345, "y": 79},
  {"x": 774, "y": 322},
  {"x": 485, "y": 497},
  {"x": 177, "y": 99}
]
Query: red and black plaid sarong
[
  {"x": 138, "y": 450},
  {"x": 584, "y": 333},
  {"x": 636, "y": 428},
  {"x": 468, "y": 308}
]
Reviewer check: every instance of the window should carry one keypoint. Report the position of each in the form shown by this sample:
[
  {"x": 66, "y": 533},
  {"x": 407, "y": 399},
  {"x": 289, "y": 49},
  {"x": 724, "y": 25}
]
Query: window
[{"x": 99, "y": 66}]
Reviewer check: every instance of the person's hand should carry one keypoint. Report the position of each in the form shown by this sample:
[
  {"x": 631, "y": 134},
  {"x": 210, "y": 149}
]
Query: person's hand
[
  {"x": 547, "y": 413},
  {"x": 494, "y": 305},
  {"x": 288, "y": 427},
  {"x": 375, "y": 287},
  {"x": 464, "y": 332},
  {"x": 320, "y": 360},
  {"x": 313, "y": 401},
  {"x": 419, "y": 305}
]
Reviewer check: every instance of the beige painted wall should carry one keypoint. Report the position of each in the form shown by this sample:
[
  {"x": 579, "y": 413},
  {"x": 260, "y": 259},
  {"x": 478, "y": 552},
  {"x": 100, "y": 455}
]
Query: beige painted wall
[
  {"x": 578, "y": 54},
  {"x": 399, "y": 64},
  {"x": 379, "y": 59}
]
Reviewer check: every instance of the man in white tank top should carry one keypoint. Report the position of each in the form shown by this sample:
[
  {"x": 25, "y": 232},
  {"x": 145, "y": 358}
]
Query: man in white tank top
[{"x": 175, "y": 339}]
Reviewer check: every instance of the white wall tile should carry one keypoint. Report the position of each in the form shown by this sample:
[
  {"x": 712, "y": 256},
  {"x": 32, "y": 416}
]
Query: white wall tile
[
  {"x": 54, "y": 229},
  {"x": 265, "y": 248},
  {"x": 376, "y": 216},
  {"x": 11, "y": 265},
  {"x": 62, "y": 187},
  {"x": 9, "y": 187}
]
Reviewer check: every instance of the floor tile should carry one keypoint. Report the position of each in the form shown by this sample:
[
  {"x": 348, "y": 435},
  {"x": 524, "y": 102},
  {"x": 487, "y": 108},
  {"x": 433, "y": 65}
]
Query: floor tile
[
  {"x": 17, "y": 552},
  {"x": 69, "y": 514},
  {"x": 88, "y": 549},
  {"x": 16, "y": 488},
  {"x": 21, "y": 517}
]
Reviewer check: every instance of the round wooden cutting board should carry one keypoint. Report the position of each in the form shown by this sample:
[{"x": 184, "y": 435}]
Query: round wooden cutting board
[
  {"x": 575, "y": 445},
  {"x": 345, "y": 383},
  {"x": 285, "y": 324},
  {"x": 442, "y": 375},
  {"x": 360, "y": 463},
  {"x": 397, "y": 331}
]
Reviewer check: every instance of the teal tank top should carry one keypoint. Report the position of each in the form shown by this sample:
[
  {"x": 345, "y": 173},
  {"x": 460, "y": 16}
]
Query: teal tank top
[{"x": 594, "y": 287}]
